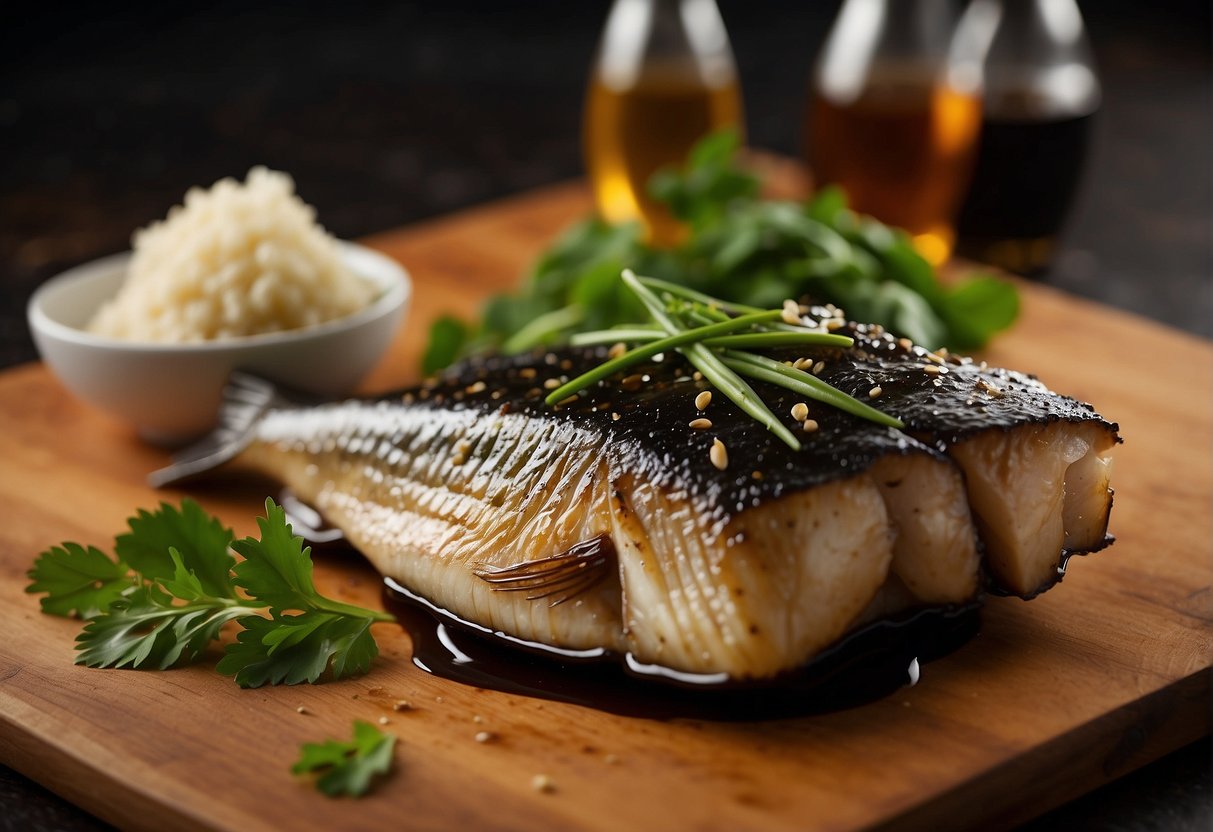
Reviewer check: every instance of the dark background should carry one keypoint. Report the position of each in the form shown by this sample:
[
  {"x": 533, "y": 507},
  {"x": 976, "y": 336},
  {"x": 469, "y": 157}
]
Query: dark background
[{"x": 389, "y": 113}]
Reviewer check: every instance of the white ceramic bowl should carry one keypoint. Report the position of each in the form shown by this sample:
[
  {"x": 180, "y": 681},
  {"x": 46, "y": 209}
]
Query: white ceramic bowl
[{"x": 171, "y": 392}]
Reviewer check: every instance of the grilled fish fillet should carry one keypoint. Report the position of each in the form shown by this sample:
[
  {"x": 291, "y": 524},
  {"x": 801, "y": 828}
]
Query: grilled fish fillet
[{"x": 605, "y": 523}]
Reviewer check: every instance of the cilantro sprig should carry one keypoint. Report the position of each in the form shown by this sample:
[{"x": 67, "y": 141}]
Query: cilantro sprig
[
  {"x": 347, "y": 767},
  {"x": 173, "y": 584},
  {"x": 741, "y": 248}
]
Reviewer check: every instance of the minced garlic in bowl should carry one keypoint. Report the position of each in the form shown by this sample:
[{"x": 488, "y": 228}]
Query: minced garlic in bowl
[{"x": 235, "y": 260}]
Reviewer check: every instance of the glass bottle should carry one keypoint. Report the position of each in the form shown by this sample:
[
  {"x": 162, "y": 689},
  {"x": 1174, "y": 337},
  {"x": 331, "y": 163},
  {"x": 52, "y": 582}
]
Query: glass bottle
[
  {"x": 664, "y": 78},
  {"x": 1041, "y": 94},
  {"x": 894, "y": 114}
]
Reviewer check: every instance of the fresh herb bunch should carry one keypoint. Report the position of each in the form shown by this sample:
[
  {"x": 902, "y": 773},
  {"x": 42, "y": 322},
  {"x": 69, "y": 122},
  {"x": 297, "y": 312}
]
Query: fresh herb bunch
[
  {"x": 347, "y": 767},
  {"x": 740, "y": 248},
  {"x": 173, "y": 584},
  {"x": 716, "y": 337}
]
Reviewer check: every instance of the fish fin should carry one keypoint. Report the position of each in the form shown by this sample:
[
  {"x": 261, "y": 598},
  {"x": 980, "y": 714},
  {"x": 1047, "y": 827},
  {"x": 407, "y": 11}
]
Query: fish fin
[
  {"x": 246, "y": 398},
  {"x": 560, "y": 577}
]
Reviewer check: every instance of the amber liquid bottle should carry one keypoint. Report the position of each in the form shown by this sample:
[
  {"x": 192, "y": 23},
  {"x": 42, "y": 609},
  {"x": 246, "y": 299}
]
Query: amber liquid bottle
[
  {"x": 894, "y": 117},
  {"x": 657, "y": 87}
]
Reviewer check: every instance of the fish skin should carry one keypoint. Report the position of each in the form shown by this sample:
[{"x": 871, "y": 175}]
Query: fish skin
[{"x": 714, "y": 571}]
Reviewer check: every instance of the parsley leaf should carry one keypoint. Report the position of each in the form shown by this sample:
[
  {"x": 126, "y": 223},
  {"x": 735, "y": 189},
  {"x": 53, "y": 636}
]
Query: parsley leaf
[
  {"x": 201, "y": 540},
  {"x": 347, "y": 767},
  {"x": 277, "y": 569},
  {"x": 277, "y": 573},
  {"x": 175, "y": 586},
  {"x": 78, "y": 581},
  {"x": 291, "y": 649}
]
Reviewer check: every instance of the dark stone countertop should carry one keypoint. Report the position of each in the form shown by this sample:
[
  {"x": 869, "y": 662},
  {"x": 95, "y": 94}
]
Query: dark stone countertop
[{"x": 389, "y": 113}]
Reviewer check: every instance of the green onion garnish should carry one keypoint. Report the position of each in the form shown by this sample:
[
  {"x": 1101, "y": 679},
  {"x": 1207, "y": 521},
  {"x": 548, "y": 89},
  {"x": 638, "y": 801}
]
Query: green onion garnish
[{"x": 715, "y": 336}]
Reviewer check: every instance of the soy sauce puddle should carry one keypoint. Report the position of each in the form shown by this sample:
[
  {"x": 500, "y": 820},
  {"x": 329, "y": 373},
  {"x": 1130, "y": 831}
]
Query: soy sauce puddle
[{"x": 870, "y": 664}]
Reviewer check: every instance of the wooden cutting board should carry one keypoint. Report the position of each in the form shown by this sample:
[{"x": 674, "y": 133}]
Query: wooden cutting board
[{"x": 1053, "y": 698}]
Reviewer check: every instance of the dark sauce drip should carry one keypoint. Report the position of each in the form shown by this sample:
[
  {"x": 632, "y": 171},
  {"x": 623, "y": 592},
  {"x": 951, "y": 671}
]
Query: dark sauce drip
[{"x": 867, "y": 665}]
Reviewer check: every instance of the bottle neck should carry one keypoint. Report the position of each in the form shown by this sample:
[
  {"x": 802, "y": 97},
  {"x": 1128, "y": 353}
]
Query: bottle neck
[
  {"x": 674, "y": 38},
  {"x": 1039, "y": 63}
]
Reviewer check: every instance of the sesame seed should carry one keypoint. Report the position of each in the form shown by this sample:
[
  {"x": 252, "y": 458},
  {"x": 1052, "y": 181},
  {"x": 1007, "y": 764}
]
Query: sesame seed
[
  {"x": 905, "y": 343},
  {"x": 697, "y": 376},
  {"x": 401, "y": 705},
  {"x": 875, "y": 392},
  {"x": 617, "y": 349},
  {"x": 527, "y": 372},
  {"x": 632, "y": 383},
  {"x": 478, "y": 387},
  {"x": 802, "y": 363},
  {"x": 719, "y": 454},
  {"x": 485, "y": 736},
  {"x": 551, "y": 383},
  {"x": 800, "y": 411},
  {"x": 700, "y": 424},
  {"x": 614, "y": 417},
  {"x": 934, "y": 357},
  {"x": 478, "y": 719},
  {"x": 302, "y": 710},
  {"x": 542, "y": 783},
  {"x": 791, "y": 312},
  {"x": 383, "y": 720},
  {"x": 818, "y": 367},
  {"x": 835, "y": 323},
  {"x": 703, "y": 400},
  {"x": 756, "y": 475},
  {"x": 566, "y": 401},
  {"x": 930, "y": 369},
  {"x": 810, "y": 425}
]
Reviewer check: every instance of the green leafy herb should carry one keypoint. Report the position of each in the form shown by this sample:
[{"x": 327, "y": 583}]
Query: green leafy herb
[
  {"x": 347, "y": 767},
  {"x": 174, "y": 584},
  {"x": 78, "y": 581},
  {"x": 743, "y": 249}
]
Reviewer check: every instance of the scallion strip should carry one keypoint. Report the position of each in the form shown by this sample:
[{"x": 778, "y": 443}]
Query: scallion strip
[
  {"x": 698, "y": 297},
  {"x": 614, "y": 336},
  {"x": 546, "y": 324},
  {"x": 765, "y": 369},
  {"x": 678, "y": 338},
  {"x": 744, "y": 340},
  {"x": 712, "y": 367},
  {"x": 767, "y": 340}
]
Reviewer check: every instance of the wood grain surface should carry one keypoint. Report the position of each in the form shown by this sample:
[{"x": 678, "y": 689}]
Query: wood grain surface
[{"x": 1054, "y": 697}]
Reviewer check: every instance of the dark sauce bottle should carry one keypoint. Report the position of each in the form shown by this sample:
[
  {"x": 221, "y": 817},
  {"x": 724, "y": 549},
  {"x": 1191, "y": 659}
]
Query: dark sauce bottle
[{"x": 1041, "y": 94}]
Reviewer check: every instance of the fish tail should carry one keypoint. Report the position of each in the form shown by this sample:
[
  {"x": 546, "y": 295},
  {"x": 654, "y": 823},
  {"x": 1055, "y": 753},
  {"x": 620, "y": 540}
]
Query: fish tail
[{"x": 246, "y": 398}]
